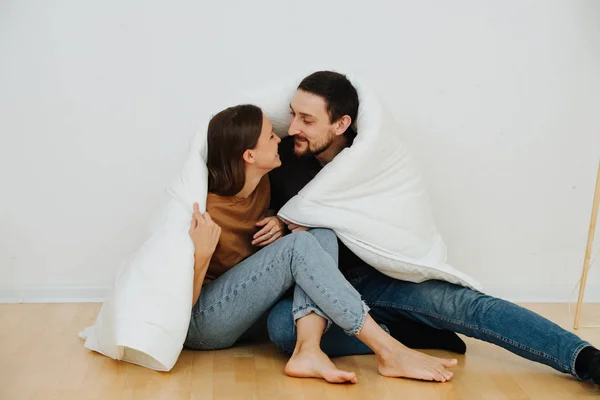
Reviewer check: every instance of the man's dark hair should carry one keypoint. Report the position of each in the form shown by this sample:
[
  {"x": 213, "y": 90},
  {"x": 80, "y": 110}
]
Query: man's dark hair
[{"x": 339, "y": 95}]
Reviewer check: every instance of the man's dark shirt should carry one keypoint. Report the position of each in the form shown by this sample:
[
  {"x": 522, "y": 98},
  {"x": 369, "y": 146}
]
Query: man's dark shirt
[{"x": 290, "y": 178}]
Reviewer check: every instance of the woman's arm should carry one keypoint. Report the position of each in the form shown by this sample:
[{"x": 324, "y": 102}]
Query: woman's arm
[
  {"x": 205, "y": 235},
  {"x": 201, "y": 263}
]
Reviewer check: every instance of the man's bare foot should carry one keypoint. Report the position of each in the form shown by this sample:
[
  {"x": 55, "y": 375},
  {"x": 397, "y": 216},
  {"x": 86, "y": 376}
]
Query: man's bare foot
[
  {"x": 313, "y": 363},
  {"x": 407, "y": 363}
]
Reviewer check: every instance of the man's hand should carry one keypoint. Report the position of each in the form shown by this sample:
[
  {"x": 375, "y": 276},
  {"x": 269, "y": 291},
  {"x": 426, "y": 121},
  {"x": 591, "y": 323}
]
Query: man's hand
[
  {"x": 272, "y": 230},
  {"x": 293, "y": 227}
]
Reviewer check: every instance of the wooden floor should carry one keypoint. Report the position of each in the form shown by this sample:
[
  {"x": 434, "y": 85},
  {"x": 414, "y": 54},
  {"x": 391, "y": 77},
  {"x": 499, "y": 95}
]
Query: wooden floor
[{"x": 41, "y": 357}]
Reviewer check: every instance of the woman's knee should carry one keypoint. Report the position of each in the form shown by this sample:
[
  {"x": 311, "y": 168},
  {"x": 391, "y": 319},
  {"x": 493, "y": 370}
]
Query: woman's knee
[
  {"x": 323, "y": 234},
  {"x": 327, "y": 239},
  {"x": 324, "y": 238},
  {"x": 302, "y": 237}
]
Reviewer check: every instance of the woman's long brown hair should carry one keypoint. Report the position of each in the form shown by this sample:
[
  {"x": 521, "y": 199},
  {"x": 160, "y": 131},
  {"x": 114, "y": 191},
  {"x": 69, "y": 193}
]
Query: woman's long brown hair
[{"x": 230, "y": 133}]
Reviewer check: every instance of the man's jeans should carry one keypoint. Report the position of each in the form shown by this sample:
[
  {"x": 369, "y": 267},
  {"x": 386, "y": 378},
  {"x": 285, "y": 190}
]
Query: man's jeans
[
  {"x": 231, "y": 304},
  {"x": 445, "y": 306}
]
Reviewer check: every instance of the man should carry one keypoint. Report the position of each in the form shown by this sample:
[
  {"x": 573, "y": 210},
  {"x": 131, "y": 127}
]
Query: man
[{"x": 322, "y": 112}]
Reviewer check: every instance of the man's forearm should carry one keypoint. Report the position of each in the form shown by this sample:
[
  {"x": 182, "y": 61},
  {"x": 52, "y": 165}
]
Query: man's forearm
[{"x": 201, "y": 263}]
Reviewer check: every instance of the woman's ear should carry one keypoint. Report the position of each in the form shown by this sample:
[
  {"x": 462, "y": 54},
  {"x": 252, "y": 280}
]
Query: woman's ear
[{"x": 248, "y": 156}]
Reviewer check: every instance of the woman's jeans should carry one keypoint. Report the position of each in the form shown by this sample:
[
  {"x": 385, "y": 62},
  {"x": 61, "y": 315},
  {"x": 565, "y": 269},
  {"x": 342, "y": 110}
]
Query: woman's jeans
[{"x": 231, "y": 304}]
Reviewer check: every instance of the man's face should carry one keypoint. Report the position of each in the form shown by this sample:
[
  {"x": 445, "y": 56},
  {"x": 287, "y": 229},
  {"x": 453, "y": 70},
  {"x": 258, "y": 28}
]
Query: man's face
[{"x": 310, "y": 126}]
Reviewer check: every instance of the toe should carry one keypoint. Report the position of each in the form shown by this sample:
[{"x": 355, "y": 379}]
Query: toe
[
  {"x": 450, "y": 363},
  {"x": 438, "y": 377},
  {"x": 348, "y": 376},
  {"x": 448, "y": 375}
]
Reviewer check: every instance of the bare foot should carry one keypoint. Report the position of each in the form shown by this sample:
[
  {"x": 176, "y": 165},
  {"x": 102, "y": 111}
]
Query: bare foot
[
  {"x": 313, "y": 363},
  {"x": 407, "y": 363}
]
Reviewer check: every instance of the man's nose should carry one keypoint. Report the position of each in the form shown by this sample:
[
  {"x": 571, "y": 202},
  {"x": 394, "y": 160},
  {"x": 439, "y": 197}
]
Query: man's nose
[{"x": 293, "y": 130}]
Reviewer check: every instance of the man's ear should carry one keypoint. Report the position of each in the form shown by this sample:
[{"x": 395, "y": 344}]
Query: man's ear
[
  {"x": 248, "y": 156},
  {"x": 342, "y": 125}
]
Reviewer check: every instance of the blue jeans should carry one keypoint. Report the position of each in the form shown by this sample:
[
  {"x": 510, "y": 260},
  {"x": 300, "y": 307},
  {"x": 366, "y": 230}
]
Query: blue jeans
[
  {"x": 442, "y": 305},
  {"x": 231, "y": 304}
]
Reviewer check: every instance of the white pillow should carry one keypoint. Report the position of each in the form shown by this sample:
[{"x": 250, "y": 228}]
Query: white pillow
[{"x": 145, "y": 318}]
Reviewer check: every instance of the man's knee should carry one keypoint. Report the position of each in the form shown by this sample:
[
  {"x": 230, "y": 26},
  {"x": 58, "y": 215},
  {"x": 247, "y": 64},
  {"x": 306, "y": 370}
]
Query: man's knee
[
  {"x": 280, "y": 325},
  {"x": 448, "y": 296}
]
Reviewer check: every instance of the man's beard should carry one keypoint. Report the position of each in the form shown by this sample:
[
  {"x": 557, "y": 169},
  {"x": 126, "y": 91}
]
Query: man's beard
[{"x": 309, "y": 153}]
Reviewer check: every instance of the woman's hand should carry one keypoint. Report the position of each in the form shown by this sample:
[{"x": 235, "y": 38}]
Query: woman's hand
[
  {"x": 273, "y": 229},
  {"x": 204, "y": 233}
]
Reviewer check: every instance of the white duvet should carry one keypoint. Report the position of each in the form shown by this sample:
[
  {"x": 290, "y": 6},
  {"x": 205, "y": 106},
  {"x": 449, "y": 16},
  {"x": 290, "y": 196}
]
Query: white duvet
[{"x": 372, "y": 195}]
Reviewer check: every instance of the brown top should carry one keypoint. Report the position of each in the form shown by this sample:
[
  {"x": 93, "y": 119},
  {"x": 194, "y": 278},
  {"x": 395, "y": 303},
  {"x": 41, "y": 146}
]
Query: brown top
[{"x": 237, "y": 218}]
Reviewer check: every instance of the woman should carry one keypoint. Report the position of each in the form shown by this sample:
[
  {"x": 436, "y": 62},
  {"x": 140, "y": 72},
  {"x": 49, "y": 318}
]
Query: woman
[{"x": 235, "y": 283}]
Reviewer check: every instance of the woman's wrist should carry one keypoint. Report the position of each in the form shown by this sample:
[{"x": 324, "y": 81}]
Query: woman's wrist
[{"x": 201, "y": 259}]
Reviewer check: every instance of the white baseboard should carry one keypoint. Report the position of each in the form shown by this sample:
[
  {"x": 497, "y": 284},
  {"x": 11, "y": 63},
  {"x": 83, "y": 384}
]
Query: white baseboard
[
  {"x": 543, "y": 294},
  {"x": 54, "y": 294},
  {"x": 95, "y": 294}
]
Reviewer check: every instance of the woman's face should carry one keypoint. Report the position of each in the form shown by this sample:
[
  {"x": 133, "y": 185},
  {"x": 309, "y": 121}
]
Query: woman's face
[{"x": 266, "y": 155}]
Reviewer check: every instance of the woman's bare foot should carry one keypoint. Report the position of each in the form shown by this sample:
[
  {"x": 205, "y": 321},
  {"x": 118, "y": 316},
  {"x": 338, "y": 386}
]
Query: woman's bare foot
[
  {"x": 313, "y": 363},
  {"x": 407, "y": 363}
]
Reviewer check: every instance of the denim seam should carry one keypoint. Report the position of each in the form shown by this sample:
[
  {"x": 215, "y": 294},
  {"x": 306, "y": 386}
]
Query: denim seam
[
  {"x": 307, "y": 309},
  {"x": 345, "y": 308},
  {"x": 361, "y": 321},
  {"x": 302, "y": 307},
  {"x": 496, "y": 335},
  {"x": 574, "y": 360}
]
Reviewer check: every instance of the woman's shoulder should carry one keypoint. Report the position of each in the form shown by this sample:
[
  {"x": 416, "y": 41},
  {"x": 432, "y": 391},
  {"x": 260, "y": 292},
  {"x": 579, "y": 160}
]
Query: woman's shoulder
[
  {"x": 262, "y": 191},
  {"x": 217, "y": 202}
]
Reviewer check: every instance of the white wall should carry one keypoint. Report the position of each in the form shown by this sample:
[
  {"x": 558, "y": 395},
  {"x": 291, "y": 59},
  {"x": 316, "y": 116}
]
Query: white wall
[{"x": 98, "y": 102}]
